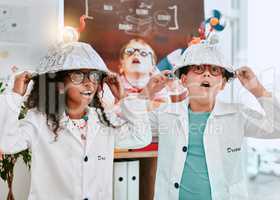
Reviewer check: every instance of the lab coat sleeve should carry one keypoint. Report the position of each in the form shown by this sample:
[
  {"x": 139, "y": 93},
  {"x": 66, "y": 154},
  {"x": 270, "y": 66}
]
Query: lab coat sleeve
[
  {"x": 267, "y": 125},
  {"x": 135, "y": 132},
  {"x": 15, "y": 135},
  {"x": 154, "y": 121}
]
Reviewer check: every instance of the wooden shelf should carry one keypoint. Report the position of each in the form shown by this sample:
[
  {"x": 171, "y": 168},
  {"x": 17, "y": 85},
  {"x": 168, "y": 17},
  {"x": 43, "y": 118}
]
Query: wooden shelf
[{"x": 132, "y": 155}]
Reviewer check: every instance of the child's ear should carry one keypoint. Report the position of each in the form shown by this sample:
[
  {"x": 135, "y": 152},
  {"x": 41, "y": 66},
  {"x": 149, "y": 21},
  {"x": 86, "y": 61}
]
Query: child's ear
[{"x": 184, "y": 80}]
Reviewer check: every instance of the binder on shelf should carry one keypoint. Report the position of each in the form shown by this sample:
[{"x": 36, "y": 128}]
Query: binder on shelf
[
  {"x": 133, "y": 180},
  {"x": 120, "y": 181},
  {"x": 126, "y": 180}
]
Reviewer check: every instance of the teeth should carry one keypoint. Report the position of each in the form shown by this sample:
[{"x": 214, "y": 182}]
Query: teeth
[{"x": 86, "y": 93}]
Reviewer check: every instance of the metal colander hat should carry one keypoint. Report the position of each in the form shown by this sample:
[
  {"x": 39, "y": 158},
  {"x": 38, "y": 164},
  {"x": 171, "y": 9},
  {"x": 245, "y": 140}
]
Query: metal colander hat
[
  {"x": 71, "y": 56},
  {"x": 204, "y": 53}
]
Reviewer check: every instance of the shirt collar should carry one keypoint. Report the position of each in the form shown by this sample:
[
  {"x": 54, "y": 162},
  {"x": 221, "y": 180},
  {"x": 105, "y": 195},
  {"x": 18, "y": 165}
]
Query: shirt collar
[{"x": 220, "y": 108}]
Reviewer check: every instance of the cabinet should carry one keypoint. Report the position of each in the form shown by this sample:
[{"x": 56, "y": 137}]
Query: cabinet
[{"x": 148, "y": 165}]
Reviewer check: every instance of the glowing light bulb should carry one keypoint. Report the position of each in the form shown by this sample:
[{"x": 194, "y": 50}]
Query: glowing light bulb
[{"x": 70, "y": 34}]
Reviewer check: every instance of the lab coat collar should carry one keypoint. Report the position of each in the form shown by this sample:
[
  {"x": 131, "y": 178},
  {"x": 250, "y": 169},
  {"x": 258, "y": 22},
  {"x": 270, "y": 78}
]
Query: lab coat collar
[
  {"x": 93, "y": 125},
  {"x": 220, "y": 108}
]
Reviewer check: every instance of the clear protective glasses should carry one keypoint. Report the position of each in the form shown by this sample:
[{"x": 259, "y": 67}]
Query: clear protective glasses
[
  {"x": 78, "y": 77},
  {"x": 143, "y": 52}
]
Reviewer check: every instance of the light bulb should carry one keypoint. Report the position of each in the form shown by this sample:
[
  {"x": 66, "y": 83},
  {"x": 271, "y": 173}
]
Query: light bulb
[{"x": 70, "y": 34}]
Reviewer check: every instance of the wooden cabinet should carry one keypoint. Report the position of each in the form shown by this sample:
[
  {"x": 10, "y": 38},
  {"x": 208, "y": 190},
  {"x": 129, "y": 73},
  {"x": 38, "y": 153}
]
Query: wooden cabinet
[{"x": 148, "y": 165}]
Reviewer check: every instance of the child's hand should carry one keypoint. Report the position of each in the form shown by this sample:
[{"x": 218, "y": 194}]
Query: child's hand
[
  {"x": 21, "y": 83},
  {"x": 155, "y": 85},
  {"x": 115, "y": 86},
  {"x": 249, "y": 80}
]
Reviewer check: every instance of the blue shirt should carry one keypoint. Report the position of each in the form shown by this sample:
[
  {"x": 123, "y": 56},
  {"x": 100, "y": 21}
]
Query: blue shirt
[{"x": 195, "y": 183}]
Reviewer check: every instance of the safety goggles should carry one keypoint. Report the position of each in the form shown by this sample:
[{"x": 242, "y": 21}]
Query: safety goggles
[
  {"x": 143, "y": 52},
  {"x": 200, "y": 69},
  {"x": 78, "y": 77}
]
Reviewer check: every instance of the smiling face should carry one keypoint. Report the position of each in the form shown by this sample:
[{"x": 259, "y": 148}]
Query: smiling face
[
  {"x": 80, "y": 95},
  {"x": 204, "y": 81},
  {"x": 137, "y": 57}
]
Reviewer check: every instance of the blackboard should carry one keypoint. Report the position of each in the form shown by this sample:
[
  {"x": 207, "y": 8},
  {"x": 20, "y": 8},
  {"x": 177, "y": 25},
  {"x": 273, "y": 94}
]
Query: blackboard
[{"x": 165, "y": 24}]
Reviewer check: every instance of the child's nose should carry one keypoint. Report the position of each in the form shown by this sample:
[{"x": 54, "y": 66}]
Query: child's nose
[
  {"x": 206, "y": 73},
  {"x": 86, "y": 80},
  {"x": 136, "y": 53}
]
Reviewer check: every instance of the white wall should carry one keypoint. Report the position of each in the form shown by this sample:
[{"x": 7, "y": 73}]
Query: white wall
[
  {"x": 264, "y": 31},
  {"x": 263, "y": 50},
  {"x": 38, "y": 25},
  {"x": 263, "y": 41},
  {"x": 262, "y": 46}
]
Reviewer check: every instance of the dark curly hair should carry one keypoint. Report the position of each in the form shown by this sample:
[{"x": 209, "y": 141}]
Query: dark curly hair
[{"x": 46, "y": 98}]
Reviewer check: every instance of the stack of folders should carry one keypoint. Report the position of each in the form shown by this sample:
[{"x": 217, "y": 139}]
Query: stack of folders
[{"x": 126, "y": 180}]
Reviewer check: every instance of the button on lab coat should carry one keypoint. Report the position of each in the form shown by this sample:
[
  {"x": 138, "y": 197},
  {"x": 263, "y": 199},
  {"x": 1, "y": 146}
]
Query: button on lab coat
[
  {"x": 223, "y": 140},
  {"x": 64, "y": 170}
]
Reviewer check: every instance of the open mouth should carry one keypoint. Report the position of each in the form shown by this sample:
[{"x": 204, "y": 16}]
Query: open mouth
[
  {"x": 86, "y": 93},
  {"x": 205, "y": 84},
  {"x": 135, "y": 61}
]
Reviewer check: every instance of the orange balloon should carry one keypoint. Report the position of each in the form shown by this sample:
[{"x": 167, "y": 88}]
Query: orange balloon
[{"x": 214, "y": 21}]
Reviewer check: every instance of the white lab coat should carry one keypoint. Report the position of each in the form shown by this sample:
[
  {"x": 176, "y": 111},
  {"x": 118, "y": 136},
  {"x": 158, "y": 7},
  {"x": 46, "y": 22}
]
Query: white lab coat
[
  {"x": 62, "y": 170},
  {"x": 226, "y": 128}
]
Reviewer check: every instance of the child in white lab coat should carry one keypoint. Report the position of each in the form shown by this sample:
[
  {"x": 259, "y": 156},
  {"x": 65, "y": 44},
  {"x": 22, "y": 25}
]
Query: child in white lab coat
[
  {"x": 71, "y": 137},
  {"x": 137, "y": 66},
  {"x": 201, "y": 139}
]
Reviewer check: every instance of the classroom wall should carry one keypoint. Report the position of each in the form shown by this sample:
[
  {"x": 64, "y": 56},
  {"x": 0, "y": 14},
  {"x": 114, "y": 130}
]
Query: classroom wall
[
  {"x": 25, "y": 28},
  {"x": 38, "y": 23}
]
